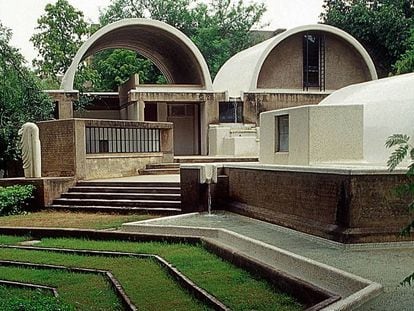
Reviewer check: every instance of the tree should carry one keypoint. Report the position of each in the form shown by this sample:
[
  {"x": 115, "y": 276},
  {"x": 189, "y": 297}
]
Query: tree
[
  {"x": 21, "y": 99},
  {"x": 61, "y": 31},
  {"x": 382, "y": 26},
  {"x": 219, "y": 29},
  {"x": 406, "y": 62}
]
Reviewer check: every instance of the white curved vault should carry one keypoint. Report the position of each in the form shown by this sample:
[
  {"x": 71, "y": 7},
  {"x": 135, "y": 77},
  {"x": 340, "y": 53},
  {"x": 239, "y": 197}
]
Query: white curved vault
[
  {"x": 241, "y": 72},
  {"x": 388, "y": 109},
  {"x": 169, "y": 49}
]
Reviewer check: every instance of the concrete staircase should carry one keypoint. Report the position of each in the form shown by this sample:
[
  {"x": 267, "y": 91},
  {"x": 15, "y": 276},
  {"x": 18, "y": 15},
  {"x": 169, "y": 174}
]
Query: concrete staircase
[
  {"x": 122, "y": 197},
  {"x": 161, "y": 169}
]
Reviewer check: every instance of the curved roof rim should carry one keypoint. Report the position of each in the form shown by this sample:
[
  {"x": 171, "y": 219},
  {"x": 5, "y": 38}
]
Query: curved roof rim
[
  {"x": 316, "y": 27},
  {"x": 69, "y": 77}
]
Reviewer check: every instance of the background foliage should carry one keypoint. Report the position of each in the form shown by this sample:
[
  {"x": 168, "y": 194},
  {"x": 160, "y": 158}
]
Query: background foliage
[
  {"x": 384, "y": 27},
  {"x": 220, "y": 29},
  {"x": 21, "y": 98}
]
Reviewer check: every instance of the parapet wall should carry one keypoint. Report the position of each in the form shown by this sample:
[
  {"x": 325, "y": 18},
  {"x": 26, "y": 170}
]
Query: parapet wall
[
  {"x": 357, "y": 205},
  {"x": 64, "y": 145},
  {"x": 344, "y": 206}
]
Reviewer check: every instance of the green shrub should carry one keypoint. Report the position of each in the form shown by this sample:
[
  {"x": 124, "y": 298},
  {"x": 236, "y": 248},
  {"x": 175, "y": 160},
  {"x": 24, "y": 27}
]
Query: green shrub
[{"x": 15, "y": 199}]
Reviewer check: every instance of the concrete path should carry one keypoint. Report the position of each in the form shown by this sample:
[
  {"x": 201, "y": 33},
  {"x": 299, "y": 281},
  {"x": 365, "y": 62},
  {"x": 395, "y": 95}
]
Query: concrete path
[{"x": 386, "y": 264}]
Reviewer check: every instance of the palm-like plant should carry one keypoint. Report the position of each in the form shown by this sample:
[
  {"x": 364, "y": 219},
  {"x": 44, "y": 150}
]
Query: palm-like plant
[{"x": 403, "y": 149}]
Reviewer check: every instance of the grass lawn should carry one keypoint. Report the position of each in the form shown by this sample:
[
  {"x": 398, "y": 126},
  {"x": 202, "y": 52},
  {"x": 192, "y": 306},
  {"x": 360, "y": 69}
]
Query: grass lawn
[
  {"x": 76, "y": 289},
  {"x": 148, "y": 285},
  {"x": 57, "y": 219},
  {"x": 27, "y": 299}
]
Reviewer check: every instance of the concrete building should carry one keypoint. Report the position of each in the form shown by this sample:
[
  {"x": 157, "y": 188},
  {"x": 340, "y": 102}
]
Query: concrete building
[
  {"x": 348, "y": 127},
  {"x": 293, "y": 68}
]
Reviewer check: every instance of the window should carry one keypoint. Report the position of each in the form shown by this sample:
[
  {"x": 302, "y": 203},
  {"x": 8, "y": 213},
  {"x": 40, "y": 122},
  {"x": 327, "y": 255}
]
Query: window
[
  {"x": 282, "y": 133},
  {"x": 313, "y": 61},
  {"x": 231, "y": 112}
]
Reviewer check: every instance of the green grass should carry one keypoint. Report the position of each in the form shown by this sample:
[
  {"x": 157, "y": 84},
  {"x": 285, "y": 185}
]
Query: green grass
[
  {"x": 148, "y": 286},
  {"x": 57, "y": 219},
  {"x": 11, "y": 240},
  {"x": 233, "y": 286},
  {"x": 19, "y": 299},
  {"x": 92, "y": 292}
]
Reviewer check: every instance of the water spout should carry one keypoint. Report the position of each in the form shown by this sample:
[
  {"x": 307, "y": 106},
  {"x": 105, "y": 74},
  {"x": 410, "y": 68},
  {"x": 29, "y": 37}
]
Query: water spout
[{"x": 208, "y": 175}]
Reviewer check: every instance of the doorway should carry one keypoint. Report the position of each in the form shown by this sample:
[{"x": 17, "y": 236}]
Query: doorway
[{"x": 185, "y": 118}]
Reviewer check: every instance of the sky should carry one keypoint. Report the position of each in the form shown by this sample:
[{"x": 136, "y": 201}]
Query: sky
[{"x": 21, "y": 16}]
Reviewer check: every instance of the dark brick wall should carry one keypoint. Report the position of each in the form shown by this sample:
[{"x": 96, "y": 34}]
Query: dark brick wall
[
  {"x": 57, "y": 140},
  {"x": 346, "y": 208}
]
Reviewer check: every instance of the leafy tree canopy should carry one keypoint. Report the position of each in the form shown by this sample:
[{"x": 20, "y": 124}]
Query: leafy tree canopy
[
  {"x": 220, "y": 28},
  {"x": 383, "y": 26},
  {"x": 60, "y": 33},
  {"x": 21, "y": 98}
]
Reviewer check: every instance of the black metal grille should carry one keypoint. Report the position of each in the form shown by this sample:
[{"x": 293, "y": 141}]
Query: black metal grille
[
  {"x": 122, "y": 140},
  {"x": 313, "y": 61}
]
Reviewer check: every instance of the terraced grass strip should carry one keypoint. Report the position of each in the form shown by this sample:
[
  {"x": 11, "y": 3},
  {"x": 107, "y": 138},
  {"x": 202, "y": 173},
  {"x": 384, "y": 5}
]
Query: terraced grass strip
[
  {"x": 30, "y": 286},
  {"x": 59, "y": 219},
  {"x": 235, "y": 287},
  {"x": 11, "y": 239},
  {"x": 144, "y": 280},
  {"x": 18, "y": 299},
  {"x": 81, "y": 291},
  {"x": 175, "y": 273},
  {"x": 126, "y": 302}
]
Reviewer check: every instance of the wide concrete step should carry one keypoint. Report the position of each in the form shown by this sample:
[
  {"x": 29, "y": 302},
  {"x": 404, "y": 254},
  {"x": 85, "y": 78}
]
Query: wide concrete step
[
  {"x": 117, "y": 209},
  {"x": 163, "y": 165},
  {"x": 159, "y": 171},
  {"x": 118, "y": 203},
  {"x": 122, "y": 196},
  {"x": 136, "y": 184},
  {"x": 169, "y": 190}
]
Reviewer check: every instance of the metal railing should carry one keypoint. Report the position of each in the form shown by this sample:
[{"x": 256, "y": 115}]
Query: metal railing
[{"x": 122, "y": 140}]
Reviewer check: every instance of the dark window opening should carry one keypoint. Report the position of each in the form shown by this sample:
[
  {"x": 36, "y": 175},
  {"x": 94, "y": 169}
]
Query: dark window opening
[
  {"x": 151, "y": 112},
  {"x": 231, "y": 112},
  {"x": 313, "y": 61},
  {"x": 282, "y": 133}
]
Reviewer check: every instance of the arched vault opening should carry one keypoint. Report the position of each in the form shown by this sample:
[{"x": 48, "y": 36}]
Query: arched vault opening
[{"x": 169, "y": 49}]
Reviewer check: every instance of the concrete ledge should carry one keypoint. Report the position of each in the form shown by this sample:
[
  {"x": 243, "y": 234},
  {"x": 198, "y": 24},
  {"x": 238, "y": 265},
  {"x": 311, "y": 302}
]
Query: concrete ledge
[{"x": 338, "y": 169}]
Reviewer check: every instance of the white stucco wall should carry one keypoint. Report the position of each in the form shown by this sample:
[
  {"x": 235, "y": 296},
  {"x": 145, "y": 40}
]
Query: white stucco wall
[
  {"x": 241, "y": 72},
  {"x": 317, "y": 134},
  {"x": 233, "y": 139},
  {"x": 388, "y": 109}
]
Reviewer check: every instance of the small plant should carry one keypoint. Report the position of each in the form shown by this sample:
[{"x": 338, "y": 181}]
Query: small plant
[
  {"x": 15, "y": 199},
  {"x": 403, "y": 149}
]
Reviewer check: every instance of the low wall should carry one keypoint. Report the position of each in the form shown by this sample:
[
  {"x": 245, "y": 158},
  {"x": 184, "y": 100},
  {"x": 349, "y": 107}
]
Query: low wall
[
  {"x": 118, "y": 165},
  {"x": 47, "y": 189},
  {"x": 346, "y": 206},
  {"x": 64, "y": 154}
]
